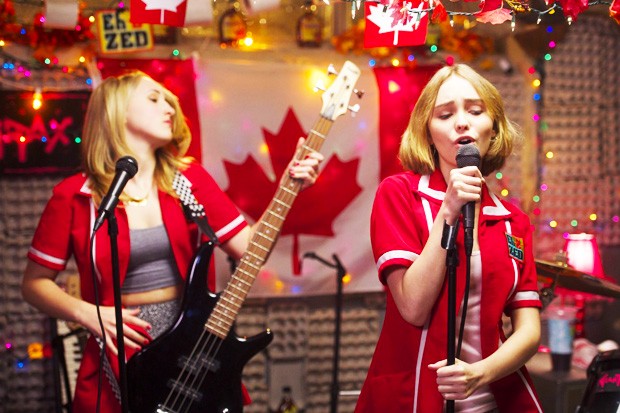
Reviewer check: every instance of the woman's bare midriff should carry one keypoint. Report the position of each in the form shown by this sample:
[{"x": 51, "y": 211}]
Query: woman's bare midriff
[{"x": 159, "y": 295}]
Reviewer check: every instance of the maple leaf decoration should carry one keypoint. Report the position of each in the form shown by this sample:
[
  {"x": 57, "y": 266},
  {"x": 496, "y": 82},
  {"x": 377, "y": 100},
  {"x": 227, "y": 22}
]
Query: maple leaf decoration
[
  {"x": 315, "y": 208},
  {"x": 573, "y": 8},
  {"x": 439, "y": 14},
  {"x": 395, "y": 18},
  {"x": 163, "y": 5},
  {"x": 495, "y": 16},
  {"x": 614, "y": 11}
]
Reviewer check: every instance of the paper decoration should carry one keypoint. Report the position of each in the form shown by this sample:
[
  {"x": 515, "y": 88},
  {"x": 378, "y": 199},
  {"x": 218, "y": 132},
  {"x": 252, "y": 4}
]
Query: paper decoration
[
  {"x": 61, "y": 14},
  {"x": 198, "y": 12},
  {"x": 255, "y": 6}
]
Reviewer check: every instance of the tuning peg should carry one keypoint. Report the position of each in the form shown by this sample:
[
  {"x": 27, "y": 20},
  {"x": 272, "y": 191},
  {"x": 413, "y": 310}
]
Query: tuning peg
[
  {"x": 331, "y": 70},
  {"x": 319, "y": 86},
  {"x": 354, "y": 109},
  {"x": 359, "y": 93}
]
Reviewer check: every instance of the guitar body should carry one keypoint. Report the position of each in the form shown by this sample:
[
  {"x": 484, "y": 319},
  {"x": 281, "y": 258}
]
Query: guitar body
[{"x": 214, "y": 387}]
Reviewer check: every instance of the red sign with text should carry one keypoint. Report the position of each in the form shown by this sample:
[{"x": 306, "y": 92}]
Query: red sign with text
[{"x": 44, "y": 140}]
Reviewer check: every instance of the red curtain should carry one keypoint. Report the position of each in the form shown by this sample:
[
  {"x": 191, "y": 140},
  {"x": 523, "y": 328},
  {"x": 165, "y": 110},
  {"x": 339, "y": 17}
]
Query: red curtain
[{"x": 399, "y": 89}]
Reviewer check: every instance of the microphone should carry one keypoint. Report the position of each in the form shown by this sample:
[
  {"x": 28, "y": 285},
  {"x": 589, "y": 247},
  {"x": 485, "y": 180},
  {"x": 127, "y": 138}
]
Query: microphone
[
  {"x": 126, "y": 168},
  {"x": 468, "y": 155}
]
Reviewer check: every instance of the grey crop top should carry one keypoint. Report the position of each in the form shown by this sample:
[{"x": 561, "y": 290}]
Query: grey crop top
[{"x": 151, "y": 263}]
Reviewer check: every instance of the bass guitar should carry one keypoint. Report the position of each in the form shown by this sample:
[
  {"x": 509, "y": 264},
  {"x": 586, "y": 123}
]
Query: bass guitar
[{"x": 196, "y": 366}]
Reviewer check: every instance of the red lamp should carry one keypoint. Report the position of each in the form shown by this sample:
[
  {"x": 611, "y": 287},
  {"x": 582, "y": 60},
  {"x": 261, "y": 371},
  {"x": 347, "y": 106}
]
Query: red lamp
[{"x": 583, "y": 255}]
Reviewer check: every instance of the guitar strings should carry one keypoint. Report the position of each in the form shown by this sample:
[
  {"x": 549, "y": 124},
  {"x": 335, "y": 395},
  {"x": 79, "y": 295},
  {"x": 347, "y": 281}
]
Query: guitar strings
[{"x": 212, "y": 341}]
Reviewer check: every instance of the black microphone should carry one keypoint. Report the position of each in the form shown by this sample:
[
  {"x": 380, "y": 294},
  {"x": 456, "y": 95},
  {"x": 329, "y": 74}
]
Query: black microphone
[
  {"x": 468, "y": 155},
  {"x": 126, "y": 168}
]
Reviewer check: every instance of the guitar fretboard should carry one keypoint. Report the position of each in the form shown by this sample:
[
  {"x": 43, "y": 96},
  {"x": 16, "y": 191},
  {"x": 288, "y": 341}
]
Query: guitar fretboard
[{"x": 232, "y": 298}]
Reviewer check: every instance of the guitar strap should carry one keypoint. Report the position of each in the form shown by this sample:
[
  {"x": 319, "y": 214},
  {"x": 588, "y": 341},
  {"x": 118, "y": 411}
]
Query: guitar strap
[{"x": 191, "y": 207}]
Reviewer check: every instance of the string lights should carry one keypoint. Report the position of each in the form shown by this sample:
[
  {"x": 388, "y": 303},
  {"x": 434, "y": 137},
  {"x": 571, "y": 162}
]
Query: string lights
[
  {"x": 548, "y": 222},
  {"x": 515, "y": 8},
  {"x": 28, "y": 75}
]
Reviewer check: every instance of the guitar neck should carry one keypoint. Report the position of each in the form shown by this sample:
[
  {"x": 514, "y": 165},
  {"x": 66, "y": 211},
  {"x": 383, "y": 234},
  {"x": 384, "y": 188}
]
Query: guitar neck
[{"x": 233, "y": 296}]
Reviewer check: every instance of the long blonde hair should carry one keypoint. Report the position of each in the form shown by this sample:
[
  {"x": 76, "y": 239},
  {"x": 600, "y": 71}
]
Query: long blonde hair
[
  {"x": 104, "y": 135},
  {"x": 416, "y": 152}
]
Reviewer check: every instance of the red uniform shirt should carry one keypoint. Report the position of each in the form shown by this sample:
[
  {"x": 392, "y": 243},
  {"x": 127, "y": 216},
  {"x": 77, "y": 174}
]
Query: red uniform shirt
[
  {"x": 399, "y": 379},
  {"x": 65, "y": 228}
]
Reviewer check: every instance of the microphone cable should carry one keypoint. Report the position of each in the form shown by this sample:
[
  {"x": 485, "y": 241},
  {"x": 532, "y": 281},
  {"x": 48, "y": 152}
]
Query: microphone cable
[
  {"x": 103, "y": 333},
  {"x": 464, "y": 306}
]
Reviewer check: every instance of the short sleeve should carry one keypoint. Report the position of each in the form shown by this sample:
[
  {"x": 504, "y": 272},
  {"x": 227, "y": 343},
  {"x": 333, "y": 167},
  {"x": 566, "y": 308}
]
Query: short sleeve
[
  {"x": 526, "y": 294},
  {"x": 395, "y": 225},
  {"x": 222, "y": 214},
  {"x": 51, "y": 242}
]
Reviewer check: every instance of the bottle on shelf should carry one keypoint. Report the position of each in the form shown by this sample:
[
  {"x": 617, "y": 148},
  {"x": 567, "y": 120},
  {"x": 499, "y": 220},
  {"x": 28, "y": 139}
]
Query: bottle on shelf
[
  {"x": 309, "y": 30},
  {"x": 287, "y": 405},
  {"x": 232, "y": 24}
]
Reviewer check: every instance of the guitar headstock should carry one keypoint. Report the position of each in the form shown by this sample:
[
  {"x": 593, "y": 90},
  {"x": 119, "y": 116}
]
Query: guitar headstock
[{"x": 336, "y": 97}]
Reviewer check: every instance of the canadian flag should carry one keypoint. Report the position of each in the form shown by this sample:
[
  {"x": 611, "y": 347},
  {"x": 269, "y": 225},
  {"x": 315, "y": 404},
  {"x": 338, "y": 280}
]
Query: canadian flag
[
  {"x": 178, "y": 13},
  {"x": 397, "y": 23}
]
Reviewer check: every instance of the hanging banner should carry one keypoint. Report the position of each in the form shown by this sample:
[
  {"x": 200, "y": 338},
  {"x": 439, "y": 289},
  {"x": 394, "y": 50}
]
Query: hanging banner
[
  {"x": 46, "y": 140},
  {"x": 399, "y": 89},
  {"x": 118, "y": 35}
]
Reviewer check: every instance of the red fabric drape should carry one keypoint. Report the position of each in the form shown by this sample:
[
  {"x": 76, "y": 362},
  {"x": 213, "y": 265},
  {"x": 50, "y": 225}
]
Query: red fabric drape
[
  {"x": 399, "y": 89},
  {"x": 176, "y": 75}
]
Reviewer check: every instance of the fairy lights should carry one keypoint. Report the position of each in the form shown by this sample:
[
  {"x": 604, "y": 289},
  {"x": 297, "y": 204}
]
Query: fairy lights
[
  {"x": 37, "y": 99},
  {"x": 26, "y": 75},
  {"x": 553, "y": 223}
]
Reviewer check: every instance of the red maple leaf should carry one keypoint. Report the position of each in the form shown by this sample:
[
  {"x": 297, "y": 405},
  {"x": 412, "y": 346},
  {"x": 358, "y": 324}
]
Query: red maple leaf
[
  {"x": 614, "y": 11},
  {"x": 496, "y": 16},
  {"x": 315, "y": 207},
  {"x": 573, "y": 8}
]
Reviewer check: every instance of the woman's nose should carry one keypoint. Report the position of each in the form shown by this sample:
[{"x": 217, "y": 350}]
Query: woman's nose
[{"x": 461, "y": 121}]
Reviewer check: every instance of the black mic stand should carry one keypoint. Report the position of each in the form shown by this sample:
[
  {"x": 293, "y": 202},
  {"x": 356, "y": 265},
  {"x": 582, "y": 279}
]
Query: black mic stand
[
  {"x": 118, "y": 310},
  {"x": 340, "y": 273},
  {"x": 448, "y": 242}
]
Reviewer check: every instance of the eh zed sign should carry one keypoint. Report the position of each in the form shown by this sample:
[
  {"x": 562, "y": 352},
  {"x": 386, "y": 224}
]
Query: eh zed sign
[{"x": 118, "y": 35}]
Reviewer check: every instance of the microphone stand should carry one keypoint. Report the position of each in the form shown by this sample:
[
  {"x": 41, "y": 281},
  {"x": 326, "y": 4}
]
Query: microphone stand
[
  {"x": 340, "y": 273},
  {"x": 448, "y": 242},
  {"x": 118, "y": 310}
]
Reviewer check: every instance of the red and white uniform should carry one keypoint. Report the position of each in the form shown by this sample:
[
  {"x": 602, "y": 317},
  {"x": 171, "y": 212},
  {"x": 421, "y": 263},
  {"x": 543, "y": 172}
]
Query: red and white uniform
[
  {"x": 399, "y": 380},
  {"x": 65, "y": 228}
]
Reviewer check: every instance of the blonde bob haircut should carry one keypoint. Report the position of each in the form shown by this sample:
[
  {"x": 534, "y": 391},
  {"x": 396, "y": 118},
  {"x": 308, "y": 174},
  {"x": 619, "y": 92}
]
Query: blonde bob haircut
[
  {"x": 104, "y": 135},
  {"x": 417, "y": 153}
]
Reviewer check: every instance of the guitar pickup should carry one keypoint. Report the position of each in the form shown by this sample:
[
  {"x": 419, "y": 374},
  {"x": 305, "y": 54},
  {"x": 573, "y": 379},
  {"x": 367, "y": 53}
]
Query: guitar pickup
[{"x": 196, "y": 366}]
